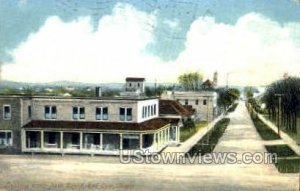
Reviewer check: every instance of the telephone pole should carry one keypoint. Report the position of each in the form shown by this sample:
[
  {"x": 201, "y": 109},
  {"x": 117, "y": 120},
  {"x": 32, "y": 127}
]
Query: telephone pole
[{"x": 279, "y": 112}]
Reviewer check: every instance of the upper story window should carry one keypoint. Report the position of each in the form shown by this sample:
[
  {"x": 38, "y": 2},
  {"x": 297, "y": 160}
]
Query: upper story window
[
  {"x": 50, "y": 112},
  {"x": 204, "y": 102},
  {"x": 6, "y": 112},
  {"x": 152, "y": 110},
  {"x": 149, "y": 111},
  {"x": 29, "y": 111},
  {"x": 78, "y": 113},
  {"x": 125, "y": 114},
  {"x": 197, "y": 102},
  {"x": 101, "y": 113},
  {"x": 186, "y": 102},
  {"x": 5, "y": 138},
  {"x": 144, "y": 112}
]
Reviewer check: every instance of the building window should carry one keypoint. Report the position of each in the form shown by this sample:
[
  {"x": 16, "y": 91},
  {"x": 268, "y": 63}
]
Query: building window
[
  {"x": 122, "y": 114},
  {"x": 138, "y": 85},
  {"x": 197, "y": 102},
  {"x": 186, "y": 102},
  {"x": 154, "y": 109},
  {"x": 50, "y": 112},
  {"x": 129, "y": 84},
  {"x": 149, "y": 111},
  {"x": 29, "y": 111},
  {"x": 129, "y": 114},
  {"x": 78, "y": 113},
  {"x": 144, "y": 112},
  {"x": 5, "y": 138},
  {"x": 6, "y": 112},
  {"x": 75, "y": 112},
  {"x": 204, "y": 102},
  {"x": 81, "y": 113},
  {"x": 125, "y": 114},
  {"x": 101, "y": 113}
]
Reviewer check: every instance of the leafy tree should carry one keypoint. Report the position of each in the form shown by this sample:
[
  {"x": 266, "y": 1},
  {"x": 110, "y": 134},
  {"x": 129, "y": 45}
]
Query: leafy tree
[
  {"x": 227, "y": 97},
  {"x": 110, "y": 93},
  {"x": 10, "y": 91},
  {"x": 190, "y": 81},
  {"x": 289, "y": 91},
  {"x": 151, "y": 91},
  {"x": 28, "y": 91},
  {"x": 189, "y": 124},
  {"x": 249, "y": 92}
]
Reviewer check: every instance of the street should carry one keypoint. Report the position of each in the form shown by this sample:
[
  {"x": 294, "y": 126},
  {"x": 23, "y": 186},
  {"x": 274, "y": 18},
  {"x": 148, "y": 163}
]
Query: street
[{"x": 41, "y": 172}]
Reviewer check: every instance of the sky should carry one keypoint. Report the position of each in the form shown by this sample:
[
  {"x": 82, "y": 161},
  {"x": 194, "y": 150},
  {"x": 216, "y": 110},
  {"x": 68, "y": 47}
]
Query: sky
[{"x": 253, "y": 42}]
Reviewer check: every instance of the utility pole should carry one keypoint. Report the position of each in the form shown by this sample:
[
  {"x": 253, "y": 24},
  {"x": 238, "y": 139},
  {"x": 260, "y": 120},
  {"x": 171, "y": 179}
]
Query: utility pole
[
  {"x": 207, "y": 116},
  {"x": 155, "y": 87},
  {"x": 279, "y": 112},
  {"x": 227, "y": 76}
]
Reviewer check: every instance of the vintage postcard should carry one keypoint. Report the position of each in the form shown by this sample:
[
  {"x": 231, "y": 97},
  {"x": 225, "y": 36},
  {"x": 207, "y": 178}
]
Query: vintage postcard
[{"x": 150, "y": 95}]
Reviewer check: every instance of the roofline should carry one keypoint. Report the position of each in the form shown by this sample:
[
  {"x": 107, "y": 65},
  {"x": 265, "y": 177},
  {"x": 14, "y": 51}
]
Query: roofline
[
  {"x": 135, "y": 79},
  {"x": 81, "y": 98},
  {"x": 109, "y": 131}
]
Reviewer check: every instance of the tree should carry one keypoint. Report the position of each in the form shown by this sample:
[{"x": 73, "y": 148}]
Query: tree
[
  {"x": 227, "y": 97},
  {"x": 249, "y": 92},
  {"x": 190, "y": 81},
  {"x": 28, "y": 91},
  {"x": 289, "y": 91},
  {"x": 151, "y": 91},
  {"x": 189, "y": 124}
]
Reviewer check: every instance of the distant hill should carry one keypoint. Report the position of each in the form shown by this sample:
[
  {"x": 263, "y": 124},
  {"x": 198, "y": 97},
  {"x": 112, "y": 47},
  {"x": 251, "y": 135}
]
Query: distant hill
[{"x": 18, "y": 85}]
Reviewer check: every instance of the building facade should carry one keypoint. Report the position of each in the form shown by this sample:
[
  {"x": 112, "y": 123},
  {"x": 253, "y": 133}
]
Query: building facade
[
  {"x": 135, "y": 85},
  {"x": 95, "y": 125},
  {"x": 203, "y": 102},
  {"x": 10, "y": 124}
]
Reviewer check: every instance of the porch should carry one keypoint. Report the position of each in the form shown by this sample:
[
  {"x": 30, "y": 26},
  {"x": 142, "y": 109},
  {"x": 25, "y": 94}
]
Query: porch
[{"x": 93, "y": 142}]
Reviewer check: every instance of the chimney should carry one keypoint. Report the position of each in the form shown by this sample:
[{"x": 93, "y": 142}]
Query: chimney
[{"x": 98, "y": 92}]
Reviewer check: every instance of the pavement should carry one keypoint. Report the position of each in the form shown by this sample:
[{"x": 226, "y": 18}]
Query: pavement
[
  {"x": 41, "y": 172},
  {"x": 186, "y": 146},
  {"x": 284, "y": 136}
]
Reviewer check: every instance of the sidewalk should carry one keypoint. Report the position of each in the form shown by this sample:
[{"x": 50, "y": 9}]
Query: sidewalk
[
  {"x": 285, "y": 137},
  {"x": 241, "y": 137},
  {"x": 184, "y": 147}
]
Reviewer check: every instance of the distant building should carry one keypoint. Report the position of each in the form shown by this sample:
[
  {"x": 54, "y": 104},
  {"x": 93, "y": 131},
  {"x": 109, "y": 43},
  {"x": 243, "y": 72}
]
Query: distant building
[
  {"x": 203, "y": 102},
  {"x": 210, "y": 85},
  {"x": 135, "y": 85}
]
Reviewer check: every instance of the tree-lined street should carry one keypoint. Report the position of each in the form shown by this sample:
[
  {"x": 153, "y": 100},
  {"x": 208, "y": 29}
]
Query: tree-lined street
[{"x": 42, "y": 172}]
